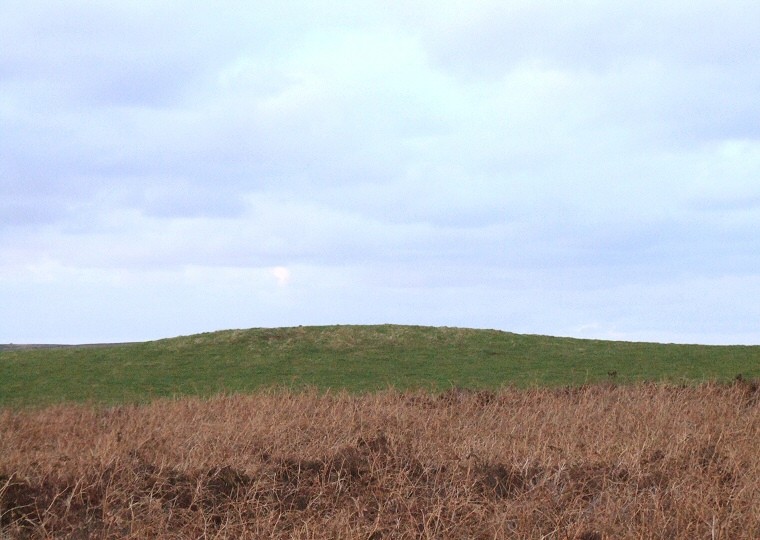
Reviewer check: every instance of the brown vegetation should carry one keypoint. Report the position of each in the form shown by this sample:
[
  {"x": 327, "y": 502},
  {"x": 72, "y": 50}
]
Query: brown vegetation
[{"x": 647, "y": 461}]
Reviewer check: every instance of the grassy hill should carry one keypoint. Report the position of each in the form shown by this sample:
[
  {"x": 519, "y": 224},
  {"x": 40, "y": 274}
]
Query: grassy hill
[{"x": 357, "y": 358}]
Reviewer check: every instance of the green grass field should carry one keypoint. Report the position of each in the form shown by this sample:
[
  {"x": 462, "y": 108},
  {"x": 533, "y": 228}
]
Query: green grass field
[{"x": 357, "y": 358}]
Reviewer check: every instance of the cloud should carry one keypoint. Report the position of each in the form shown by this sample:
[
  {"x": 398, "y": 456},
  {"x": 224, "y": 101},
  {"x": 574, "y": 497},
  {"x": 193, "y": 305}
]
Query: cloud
[{"x": 441, "y": 159}]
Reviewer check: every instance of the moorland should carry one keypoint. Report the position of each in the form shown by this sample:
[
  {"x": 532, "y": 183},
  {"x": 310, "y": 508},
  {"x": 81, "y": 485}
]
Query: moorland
[{"x": 380, "y": 432}]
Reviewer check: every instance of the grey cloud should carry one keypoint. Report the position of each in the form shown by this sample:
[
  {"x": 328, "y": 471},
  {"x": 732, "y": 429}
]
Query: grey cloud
[
  {"x": 728, "y": 203},
  {"x": 178, "y": 200},
  {"x": 15, "y": 212},
  {"x": 691, "y": 68},
  {"x": 597, "y": 37}
]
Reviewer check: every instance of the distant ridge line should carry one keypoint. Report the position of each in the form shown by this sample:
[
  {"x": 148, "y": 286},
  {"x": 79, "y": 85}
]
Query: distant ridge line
[{"x": 20, "y": 347}]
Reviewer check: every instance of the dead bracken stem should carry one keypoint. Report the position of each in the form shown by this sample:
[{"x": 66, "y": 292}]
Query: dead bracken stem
[{"x": 593, "y": 462}]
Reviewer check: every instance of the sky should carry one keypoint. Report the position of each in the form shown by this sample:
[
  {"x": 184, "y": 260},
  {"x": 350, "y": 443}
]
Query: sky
[{"x": 587, "y": 169}]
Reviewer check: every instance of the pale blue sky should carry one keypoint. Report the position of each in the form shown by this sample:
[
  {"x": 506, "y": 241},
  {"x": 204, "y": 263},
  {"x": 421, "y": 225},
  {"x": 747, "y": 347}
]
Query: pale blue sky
[{"x": 587, "y": 169}]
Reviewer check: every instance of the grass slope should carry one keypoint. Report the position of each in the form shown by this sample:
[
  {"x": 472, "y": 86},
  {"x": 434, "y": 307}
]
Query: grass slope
[{"x": 358, "y": 358}]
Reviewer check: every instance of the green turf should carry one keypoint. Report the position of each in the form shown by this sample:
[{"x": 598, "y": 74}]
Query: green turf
[{"x": 358, "y": 358}]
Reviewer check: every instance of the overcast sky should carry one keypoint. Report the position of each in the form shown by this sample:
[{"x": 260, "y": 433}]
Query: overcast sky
[{"x": 587, "y": 169}]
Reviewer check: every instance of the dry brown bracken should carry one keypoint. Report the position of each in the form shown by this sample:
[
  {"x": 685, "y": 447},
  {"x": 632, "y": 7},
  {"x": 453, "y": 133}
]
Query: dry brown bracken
[{"x": 591, "y": 463}]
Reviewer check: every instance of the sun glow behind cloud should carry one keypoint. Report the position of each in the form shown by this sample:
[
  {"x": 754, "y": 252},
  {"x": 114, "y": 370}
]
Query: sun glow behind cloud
[
  {"x": 282, "y": 275},
  {"x": 590, "y": 170}
]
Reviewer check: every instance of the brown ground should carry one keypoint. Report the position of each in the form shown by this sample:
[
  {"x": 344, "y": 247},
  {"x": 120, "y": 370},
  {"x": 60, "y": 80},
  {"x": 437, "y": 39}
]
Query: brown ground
[{"x": 649, "y": 461}]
